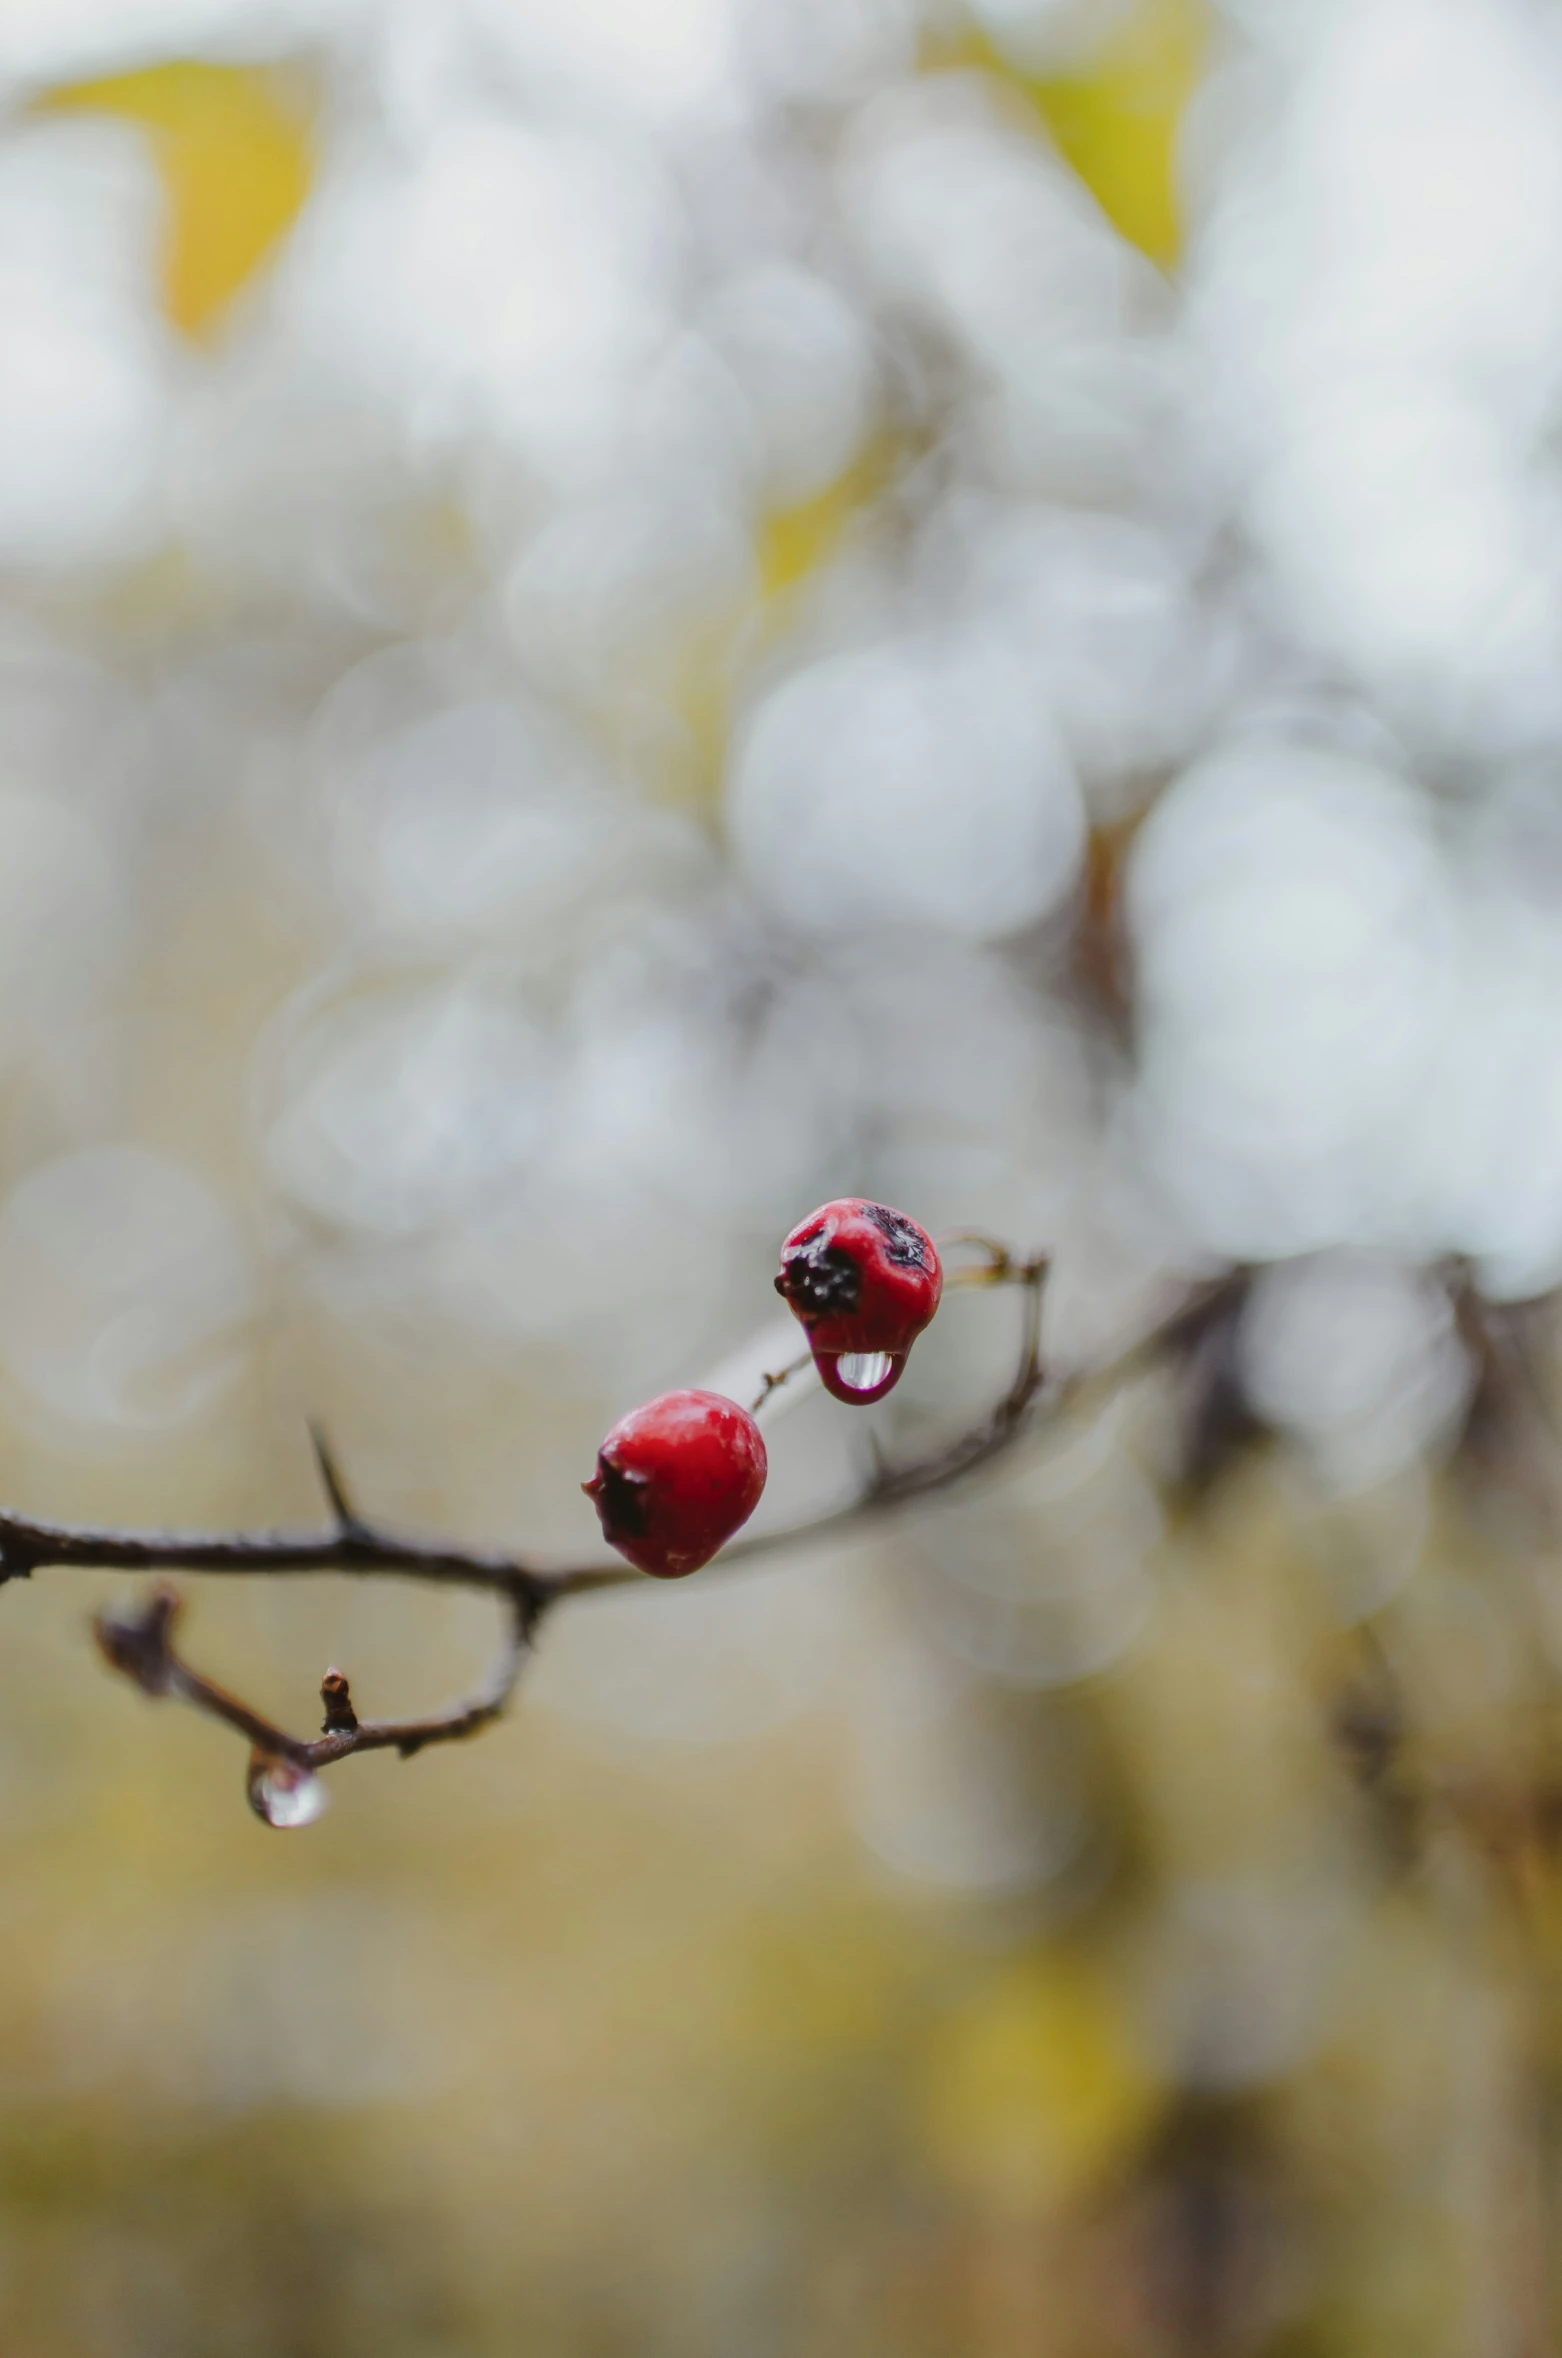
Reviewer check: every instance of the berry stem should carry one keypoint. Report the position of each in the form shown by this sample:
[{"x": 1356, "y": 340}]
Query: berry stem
[
  {"x": 1000, "y": 1266},
  {"x": 773, "y": 1383}
]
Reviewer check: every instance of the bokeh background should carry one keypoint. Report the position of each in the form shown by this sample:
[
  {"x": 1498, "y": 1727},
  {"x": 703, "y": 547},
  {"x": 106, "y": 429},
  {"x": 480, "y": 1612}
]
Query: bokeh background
[{"x": 616, "y": 617}]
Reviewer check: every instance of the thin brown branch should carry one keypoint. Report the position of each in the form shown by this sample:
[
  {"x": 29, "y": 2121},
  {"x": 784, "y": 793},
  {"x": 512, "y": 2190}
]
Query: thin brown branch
[
  {"x": 349, "y": 1734},
  {"x": 1033, "y": 1398},
  {"x": 354, "y": 1545},
  {"x": 283, "y": 1766},
  {"x": 141, "y": 1645},
  {"x": 891, "y": 1486},
  {"x": 26, "y": 1544}
]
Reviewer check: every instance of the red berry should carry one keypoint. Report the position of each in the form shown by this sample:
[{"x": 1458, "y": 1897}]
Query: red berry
[
  {"x": 864, "y": 1281},
  {"x": 675, "y": 1478}
]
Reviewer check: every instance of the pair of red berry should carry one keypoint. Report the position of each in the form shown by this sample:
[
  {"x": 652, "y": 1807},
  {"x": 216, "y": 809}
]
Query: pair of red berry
[{"x": 676, "y": 1477}]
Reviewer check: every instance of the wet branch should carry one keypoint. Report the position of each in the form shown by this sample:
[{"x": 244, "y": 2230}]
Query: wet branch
[
  {"x": 281, "y": 1765},
  {"x": 283, "y": 1772}
]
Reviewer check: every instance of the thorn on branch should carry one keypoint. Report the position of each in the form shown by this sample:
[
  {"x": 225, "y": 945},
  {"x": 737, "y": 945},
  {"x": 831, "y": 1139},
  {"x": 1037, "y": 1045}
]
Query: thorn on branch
[{"x": 348, "y": 1520}]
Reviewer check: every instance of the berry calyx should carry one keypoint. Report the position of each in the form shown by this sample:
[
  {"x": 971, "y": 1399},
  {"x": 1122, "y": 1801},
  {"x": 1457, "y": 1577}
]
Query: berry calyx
[
  {"x": 863, "y": 1280},
  {"x": 675, "y": 1478}
]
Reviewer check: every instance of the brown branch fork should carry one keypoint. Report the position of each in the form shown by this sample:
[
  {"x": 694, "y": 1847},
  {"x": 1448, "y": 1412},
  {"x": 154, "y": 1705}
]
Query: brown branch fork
[{"x": 283, "y": 1776}]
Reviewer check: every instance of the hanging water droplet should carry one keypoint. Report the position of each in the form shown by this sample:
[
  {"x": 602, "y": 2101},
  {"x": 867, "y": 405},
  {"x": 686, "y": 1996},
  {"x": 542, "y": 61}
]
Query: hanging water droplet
[
  {"x": 283, "y": 1792},
  {"x": 863, "y": 1371}
]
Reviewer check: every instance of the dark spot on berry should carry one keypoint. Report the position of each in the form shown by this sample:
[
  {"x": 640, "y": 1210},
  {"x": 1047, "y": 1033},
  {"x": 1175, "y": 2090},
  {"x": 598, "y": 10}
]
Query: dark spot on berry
[
  {"x": 819, "y": 1278},
  {"x": 903, "y": 1241},
  {"x": 622, "y": 1500}
]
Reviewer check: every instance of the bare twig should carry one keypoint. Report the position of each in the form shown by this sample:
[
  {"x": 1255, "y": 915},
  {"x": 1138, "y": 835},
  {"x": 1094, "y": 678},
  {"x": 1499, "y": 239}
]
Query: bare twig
[
  {"x": 140, "y": 1644},
  {"x": 359, "y": 1547},
  {"x": 1031, "y": 1398}
]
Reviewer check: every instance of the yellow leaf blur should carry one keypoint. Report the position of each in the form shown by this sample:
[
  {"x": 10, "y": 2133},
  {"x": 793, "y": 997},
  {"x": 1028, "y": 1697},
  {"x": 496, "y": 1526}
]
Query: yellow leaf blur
[
  {"x": 1037, "y": 2088},
  {"x": 1117, "y": 122},
  {"x": 1115, "y": 118},
  {"x": 233, "y": 146},
  {"x": 794, "y": 541}
]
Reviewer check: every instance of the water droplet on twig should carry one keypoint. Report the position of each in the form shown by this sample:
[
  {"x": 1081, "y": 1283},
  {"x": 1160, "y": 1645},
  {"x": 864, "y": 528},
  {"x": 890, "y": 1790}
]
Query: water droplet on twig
[{"x": 283, "y": 1792}]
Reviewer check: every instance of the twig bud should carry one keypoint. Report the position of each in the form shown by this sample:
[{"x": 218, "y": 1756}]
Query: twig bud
[{"x": 340, "y": 1717}]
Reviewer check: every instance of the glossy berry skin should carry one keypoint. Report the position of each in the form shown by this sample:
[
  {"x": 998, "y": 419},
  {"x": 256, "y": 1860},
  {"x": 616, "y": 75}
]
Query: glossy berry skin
[
  {"x": 864, "y": 1281},
  {"x": 675, "y": 1478}
]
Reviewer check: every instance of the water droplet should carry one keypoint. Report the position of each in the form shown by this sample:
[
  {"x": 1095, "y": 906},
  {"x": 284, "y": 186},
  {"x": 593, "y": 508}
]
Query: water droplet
[
  {"x": 283, "y": 1792},
  {"x": 863, "y": 1371}
]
